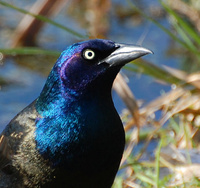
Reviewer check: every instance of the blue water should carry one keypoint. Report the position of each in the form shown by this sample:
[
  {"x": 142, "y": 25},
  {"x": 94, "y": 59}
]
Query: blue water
[{"x": 29, "y": 83}]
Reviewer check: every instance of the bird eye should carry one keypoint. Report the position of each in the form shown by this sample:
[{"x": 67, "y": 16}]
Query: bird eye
[{"x": 88, "y": 54}]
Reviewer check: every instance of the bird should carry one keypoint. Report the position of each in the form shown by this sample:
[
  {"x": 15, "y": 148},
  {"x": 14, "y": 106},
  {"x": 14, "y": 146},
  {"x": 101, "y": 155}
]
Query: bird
[{"x": 71, "y": 136}]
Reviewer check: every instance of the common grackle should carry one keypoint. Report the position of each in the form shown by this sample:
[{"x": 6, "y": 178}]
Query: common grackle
[{"x": 71, "y": 135}]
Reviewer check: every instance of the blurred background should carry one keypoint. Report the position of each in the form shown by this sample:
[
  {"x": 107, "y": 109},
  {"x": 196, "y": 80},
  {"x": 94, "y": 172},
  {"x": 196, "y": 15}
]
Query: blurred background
[{"x": 160, "y": 101}]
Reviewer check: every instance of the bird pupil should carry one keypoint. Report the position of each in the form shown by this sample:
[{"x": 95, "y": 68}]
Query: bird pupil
[{"x": 90, "y": 54}]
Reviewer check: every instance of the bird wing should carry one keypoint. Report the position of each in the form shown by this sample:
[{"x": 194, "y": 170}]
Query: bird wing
[
  {"x": 5, "y": 151},
  {"x": 15, "y": 133}
]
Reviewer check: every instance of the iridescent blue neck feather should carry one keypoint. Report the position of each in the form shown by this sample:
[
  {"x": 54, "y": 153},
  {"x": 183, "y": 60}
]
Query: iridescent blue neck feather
[{"x": 75, "y": 91}]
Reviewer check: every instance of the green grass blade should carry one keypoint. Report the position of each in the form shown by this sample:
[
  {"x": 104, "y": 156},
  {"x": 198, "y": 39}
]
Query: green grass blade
[
  {"x": 154, "y": 71},
  {"x": 185, "y": 37},
  {"x": 187, "y": 40},
  {"x": 145, "y": 179},
  {"x": 188, "y": 140},
  {"x": 174, "y": 125},
  {"x": 183, "y": 30},
  {"x": 159, "y": 25},
  {"x": 28, "y": 51},
  {"x": 44, "y": 19},
  {"x": 186, "y": 27},
  {"x": 157, "y": 167}
]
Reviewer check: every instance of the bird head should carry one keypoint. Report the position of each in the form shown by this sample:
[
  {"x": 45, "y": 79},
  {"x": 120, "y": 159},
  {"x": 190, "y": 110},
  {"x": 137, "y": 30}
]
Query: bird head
[
  {"x": 89, "y": 66},
  {"x": 80, "y": 83}
]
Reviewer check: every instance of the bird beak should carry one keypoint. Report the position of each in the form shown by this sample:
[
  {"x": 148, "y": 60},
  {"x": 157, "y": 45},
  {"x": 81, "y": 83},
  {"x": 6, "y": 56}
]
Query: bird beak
[{"x": 125, "y": 53}]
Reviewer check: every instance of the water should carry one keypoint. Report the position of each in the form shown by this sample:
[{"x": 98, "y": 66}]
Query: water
[{"x": 27, "y": 83}]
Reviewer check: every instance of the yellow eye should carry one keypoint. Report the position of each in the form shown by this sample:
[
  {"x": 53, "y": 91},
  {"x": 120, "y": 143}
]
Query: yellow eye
[{"x": 88, "y": 54}]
